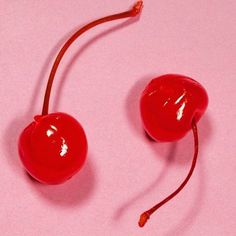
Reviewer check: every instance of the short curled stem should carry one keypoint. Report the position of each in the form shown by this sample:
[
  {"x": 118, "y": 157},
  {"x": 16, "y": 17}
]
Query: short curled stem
[
  {"x": 132, "y": 13},
  {"x": 146, "y": 215}
]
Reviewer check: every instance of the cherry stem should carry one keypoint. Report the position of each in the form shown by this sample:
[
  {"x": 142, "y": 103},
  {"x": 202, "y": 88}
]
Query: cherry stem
[
  {"x": 146, "y": 215},
  {"x": 132, "y": 13}
]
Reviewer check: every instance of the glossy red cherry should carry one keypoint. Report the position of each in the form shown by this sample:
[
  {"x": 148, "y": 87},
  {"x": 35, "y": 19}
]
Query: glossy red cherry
[
  {"x": 170, "y": 106},
  {"x": 53, "y": 147}
]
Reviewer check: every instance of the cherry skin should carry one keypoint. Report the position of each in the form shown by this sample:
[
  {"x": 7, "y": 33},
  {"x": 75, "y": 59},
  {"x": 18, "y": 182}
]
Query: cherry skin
[
  {"x": 169, "y": 104},
  {"x": 53, "y": 148}
]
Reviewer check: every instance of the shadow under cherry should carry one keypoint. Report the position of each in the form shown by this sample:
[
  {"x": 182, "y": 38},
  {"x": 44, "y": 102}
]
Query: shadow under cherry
[{"x": 74, "y": 191}]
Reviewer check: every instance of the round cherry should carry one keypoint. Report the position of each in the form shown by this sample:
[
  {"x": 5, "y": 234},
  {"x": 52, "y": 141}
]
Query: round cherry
[
  {"x": 53, "y": 147},
  {"x": 170, "y": 106}
]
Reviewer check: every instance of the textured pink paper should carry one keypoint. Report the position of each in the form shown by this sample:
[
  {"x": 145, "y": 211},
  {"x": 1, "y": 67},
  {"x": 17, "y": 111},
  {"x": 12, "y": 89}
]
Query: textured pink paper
[{"x": 99, "y": 83}]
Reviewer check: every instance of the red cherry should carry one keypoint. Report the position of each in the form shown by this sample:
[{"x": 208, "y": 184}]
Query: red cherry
[
  {"x": 170, "y": 106},
  {"x": 58, "y": 145},
  {"x": 53, "y": 147}
]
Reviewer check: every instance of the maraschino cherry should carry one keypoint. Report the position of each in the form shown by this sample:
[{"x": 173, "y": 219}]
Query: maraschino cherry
[
  {"x": 53, "y": 147},
  {"x": 170, "y": 106}
]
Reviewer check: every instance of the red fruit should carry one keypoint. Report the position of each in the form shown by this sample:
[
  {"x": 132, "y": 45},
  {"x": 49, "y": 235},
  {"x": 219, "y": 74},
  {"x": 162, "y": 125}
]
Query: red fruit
[
  {"x": 53, "y": 148},
  {"x": 168, "y": 105}
]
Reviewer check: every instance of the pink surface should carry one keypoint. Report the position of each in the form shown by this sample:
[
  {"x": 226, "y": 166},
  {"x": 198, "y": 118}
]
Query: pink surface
[{"x": 99, "y": 83}]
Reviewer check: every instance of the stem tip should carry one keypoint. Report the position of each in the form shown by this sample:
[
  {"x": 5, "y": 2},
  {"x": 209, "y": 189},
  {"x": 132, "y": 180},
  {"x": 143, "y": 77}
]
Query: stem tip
[
  {"x": 137, "y": 8},
  {"x": 143, "y": 219}
]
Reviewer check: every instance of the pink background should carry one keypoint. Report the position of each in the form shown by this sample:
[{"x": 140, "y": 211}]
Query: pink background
[{"x": 99, "y": 83}]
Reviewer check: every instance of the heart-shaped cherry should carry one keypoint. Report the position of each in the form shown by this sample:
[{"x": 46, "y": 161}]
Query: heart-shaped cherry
[
  {"x": 170, "y": 106},
  {"x": 54, "y": 146}
]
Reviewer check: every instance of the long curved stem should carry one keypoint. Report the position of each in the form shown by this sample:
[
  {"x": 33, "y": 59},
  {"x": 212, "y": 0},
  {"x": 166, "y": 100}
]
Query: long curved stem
[
  {"x": 133, "y": 12},
  {"x": 146, "y": 215}
]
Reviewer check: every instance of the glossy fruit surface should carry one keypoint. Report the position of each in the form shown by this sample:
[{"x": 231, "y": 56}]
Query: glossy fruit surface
[
  {"x": 169, "y": 104},
  {"x": 53, "y": 147}
]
